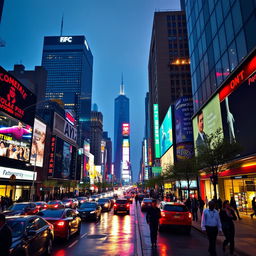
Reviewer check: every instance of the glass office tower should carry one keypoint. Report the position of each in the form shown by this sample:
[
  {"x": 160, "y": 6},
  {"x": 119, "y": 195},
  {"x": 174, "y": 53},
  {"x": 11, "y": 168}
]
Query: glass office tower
[
  {"x": 221, "y": 34},
  {"x": 69, "y": 63}
]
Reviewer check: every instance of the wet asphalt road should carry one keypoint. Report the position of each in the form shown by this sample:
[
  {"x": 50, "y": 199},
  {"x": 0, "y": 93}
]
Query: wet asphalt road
[{"x": 116, "y": 235}]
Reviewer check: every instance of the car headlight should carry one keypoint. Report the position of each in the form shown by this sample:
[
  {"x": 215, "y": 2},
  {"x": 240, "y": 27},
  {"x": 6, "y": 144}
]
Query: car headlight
[
  {"x": 106, "y": 204},
  {"x": 92, "y": 212}
]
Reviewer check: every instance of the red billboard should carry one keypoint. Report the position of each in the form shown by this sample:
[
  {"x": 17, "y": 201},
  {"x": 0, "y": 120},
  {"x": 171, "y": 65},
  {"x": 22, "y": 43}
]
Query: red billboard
[{"x": 126, "y": 129}]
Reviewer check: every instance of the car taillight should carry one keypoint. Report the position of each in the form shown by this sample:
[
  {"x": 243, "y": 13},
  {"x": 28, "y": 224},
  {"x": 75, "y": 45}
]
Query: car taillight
[
  {"x": 190, "y": 215},
  {"x": 61, "y": 223},
  {"x": 127, "y": 205},
  {"x": 142, "y": 203},
  {"x": 115, "y": 205},
  {"x": 162, "y": 214},
  {"x": 55, "y": 206}
]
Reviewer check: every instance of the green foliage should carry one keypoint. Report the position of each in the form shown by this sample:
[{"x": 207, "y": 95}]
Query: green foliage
[{"x": 157, "y": 180}]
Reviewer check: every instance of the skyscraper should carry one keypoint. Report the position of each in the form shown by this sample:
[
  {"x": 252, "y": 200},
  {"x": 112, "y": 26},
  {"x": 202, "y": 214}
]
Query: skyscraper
[
  {"x": 168, "y": 67},
  {"x": 122, "y": 167},
  {"x": 69, "y": 63}
]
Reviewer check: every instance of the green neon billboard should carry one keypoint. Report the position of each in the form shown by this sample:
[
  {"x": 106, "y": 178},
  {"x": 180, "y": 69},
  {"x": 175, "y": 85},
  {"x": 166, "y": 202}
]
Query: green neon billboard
[{"x": 156, "y": 131}]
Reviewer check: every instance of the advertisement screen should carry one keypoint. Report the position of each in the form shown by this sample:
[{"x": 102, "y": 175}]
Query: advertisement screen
[
  {"x": 167, "y": 159},
  {"x": 64, "y": 160},
  {"x": 207, "y": 122},
  {"x": 15, "y": 138},
  {"x": 37, "y": 150},
  {"x": 183, "y": 123},
  {"x": 166, "y": 139},
  {"x": 156, "y": 130},
  {"x": 184, "y": 151},
  {"x": 126, "y": 129}
]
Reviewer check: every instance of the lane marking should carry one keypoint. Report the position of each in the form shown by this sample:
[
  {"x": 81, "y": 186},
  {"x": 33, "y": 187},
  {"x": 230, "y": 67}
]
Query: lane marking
[
  {"x": 85, "y": 234},
  {"x": 74, "y": 243}
]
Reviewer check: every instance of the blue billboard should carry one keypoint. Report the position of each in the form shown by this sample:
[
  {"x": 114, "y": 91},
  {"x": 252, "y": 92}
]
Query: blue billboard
[
  {"x": 183, "y": 123},
  {"x": 166, "y": 134}
]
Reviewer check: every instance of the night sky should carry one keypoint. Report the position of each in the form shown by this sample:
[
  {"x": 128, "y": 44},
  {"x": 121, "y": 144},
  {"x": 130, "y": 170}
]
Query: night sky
[{"x": 118, "y": 33}]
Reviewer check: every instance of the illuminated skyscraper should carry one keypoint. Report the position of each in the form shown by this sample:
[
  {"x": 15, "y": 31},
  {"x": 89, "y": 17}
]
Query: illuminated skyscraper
[{"x": 122, "y": 164}]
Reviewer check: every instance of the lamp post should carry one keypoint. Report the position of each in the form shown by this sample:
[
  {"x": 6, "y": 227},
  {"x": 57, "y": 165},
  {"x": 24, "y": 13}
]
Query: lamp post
[{"x": 32, "y": 189}]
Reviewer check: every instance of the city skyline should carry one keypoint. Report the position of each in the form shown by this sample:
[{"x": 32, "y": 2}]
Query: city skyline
[{"x": 128, "y": 54}]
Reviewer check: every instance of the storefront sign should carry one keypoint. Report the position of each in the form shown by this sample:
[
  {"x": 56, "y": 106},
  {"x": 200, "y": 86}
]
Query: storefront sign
[
  {"x": 51, "y": 159},
  {"x": 156, "y": 131},
  {"x": 6, "y": 173}
]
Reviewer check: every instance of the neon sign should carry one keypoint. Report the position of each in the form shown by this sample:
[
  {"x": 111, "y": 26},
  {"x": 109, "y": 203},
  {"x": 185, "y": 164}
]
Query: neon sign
[
  {"x": 66, "y": 39},
  {"x": 156, "y": 131},
  {"x": 126, "y": 129}
]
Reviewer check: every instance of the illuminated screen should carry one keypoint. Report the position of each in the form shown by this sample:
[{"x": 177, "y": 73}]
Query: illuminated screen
[
  {"x": 156, "y": 130},
  {"x": 166, "y": 139},
  {"x": 15, "y": 138},
  {"x": 38, "y": 142},
  {"x": 167, "y": 159},
  {"x": 126, "y": 129}
]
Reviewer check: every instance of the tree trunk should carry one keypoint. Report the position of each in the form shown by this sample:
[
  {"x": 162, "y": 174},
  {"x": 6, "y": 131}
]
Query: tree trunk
[{"x": 188, "y": 188}]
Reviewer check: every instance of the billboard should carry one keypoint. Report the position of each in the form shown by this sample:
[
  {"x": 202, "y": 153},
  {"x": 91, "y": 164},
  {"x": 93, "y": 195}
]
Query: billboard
[
  {"x": 167, "y": 159},
  {"x": 6, "y": 173},
  {"x": 183, "y": 124},
  {"x": 125, "y": 129},
  {"x": 184, "y": 151},
  {"x": 64, "y": 162},
  {"x": 38, "y": 142},
  {"x": 232, "y": 109},
  {"x": 15, "y": 138},
  {"x": 166, "y": 136},
  {"x": 15, "y": 99},
  {"x": 156, "y": 130}
]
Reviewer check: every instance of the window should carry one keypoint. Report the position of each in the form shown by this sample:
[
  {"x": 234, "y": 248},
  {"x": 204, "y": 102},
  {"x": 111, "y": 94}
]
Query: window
[
  {"x": 232, "y": 56},
  {"x": 241, "y": 45},
  {"x": 219, "y": 15},
  {"x": 222, "y": 40},
  {"x": 213, "y": 23},
  {"x": 229, "y": 29},
  {"x": 225, "y": 7},
  {"x": 219, "y": 77},
  {"x": 225, "y": 65},
  {"x": 250, "y": 32},
  {"x": 216, "y": 48},
  {"x": 237, "y": 18}
]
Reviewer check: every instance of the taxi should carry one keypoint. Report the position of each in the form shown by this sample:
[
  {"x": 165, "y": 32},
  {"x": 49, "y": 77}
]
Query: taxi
[{"x": 175, "y": 214}]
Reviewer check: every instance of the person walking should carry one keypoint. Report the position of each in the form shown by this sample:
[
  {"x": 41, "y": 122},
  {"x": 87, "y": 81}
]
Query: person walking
[
  {"x": 227, "y": 216},
  {"x": 234, "y": 206},
  {"x": 136, "y": 199},
  {"x": 188, "y": 203},
  {"x": 211, "y": 224},
  {"x": 152, "y": 217},
  {"x": 194, "y": 207},
  {"x": 219, "y": 204},
  {"x": 253, "y": 207},
  {"x": 5, "y": 237},
  {"x": 201, "y": 204}
]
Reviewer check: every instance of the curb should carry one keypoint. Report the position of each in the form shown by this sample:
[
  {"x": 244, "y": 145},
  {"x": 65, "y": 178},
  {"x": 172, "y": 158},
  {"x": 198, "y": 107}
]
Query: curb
[
  {"x": 241, "y": 253},
  {"x": 139, "y": 247}
]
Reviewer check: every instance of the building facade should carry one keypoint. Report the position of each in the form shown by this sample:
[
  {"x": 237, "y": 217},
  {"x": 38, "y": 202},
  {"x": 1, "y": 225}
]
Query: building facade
[
  {"x": 168, "y": 67},
  {"x": 223, "y": 64},
  {"x": 121, "y": 117},
  {"x": 69, "y": 63},
  {"x": 108, "y": 149}
]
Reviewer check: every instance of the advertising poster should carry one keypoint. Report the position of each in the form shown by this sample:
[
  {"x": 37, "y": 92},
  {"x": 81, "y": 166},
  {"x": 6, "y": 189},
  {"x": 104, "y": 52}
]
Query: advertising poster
[
  {"x": 167, "y": 159},
  {"x": 183, "y": 123},
  {"x": 15, "y": 138},
  {"x": 166, "y": 139},
  {"x": 184, "y": 151},
  {"x": 38, "y": 142},
  {"x": 207, "y": 122}
]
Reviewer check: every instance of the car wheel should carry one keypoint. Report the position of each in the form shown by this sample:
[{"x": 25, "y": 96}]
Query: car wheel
[
  {"x": 68, "y": 235},
  {"x": 48, "y": 251}
]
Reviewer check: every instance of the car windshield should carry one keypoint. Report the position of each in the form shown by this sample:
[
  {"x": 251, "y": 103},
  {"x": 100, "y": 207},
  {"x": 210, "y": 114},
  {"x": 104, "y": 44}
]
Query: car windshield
[
  {"x": 175, "y": 208},
  {"x": 81, "y": 198},
  {"x": 17, "y": 207},
  {"x": 39, "y": 203},
  {"x": 103, "y": 201},
  {"x": 66, "y": 200},
  {"x": 17, "y": 227},
  {"x": 53, "y": 202},
  {"x": 121, "y": 201},
  {"x": 148, "y": 200},
  {"x": 51, "y": 213},
  {"x": 88, "y": 205}
]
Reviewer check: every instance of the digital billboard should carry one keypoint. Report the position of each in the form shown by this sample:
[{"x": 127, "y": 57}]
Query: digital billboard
[
  {"x": 184, "y": 151},
  {"x": 15, "y": 99},
  {"x": 183, "y": 124},
  {"x": 156, "y": 130},
  {"x": 15, "y": 138},
  {"x": 64, "y": 162},
  {"x": 126, "y": 129},
  {"x": 166, "y": 136},
  {"x": 167, "y": 159},
  {"x": 232, "y": 109},
  {"x": 38, "y": 142}
]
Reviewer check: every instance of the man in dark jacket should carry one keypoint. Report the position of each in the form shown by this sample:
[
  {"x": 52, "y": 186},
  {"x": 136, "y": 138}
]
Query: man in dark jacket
[
  {"x": 5, "y": 237},
  {"x": 153, "y": 216}
]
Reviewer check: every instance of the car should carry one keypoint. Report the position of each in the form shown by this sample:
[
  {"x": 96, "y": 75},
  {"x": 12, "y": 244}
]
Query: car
[
  {"x": 175, "y": 214},
  {"x": 81, "y": 199},
  {"x": 105, "y": 204},
  {"x": 31, "y": 235},
  {"x": 25, "y": 208},
  {"x": 112, "y": 200},
  {"x": 40, "y": 205},
  {"x": 129, "y": 198},
  {"x": 55, "y": 204},
  {"x": 89, "y": 211},
  {"x": 66, "y": 222},
  {"x": 70, "y": 203},
  {"x": 145, "y": 204},
  {"x": 122, "y": 206},
  {"x": 94, "y": 198}
]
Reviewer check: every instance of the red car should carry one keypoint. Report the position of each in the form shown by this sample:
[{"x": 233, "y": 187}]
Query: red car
[
  {"x": 69, "y": 203},
  {"x": 145, "y": 204},
  {"x": 175, "y": 214},
  {"x": 66, "y": 222},
  {"x": 55, "y": 204},
  {"x": 41, "y": 205},
  {"x": 122, "y": 206}
]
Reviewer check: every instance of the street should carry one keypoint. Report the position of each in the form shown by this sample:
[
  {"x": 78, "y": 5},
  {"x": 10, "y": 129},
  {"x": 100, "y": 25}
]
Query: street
[{"x": 116, "y": 235}]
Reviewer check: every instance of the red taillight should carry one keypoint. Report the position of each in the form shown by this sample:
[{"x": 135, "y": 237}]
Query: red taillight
[
  {"x": 61, "y": 223},
  {"x": 190, "y": 215},
  {"x": 127, "y": 205},
  {"x": 55, "y": 206},
  {"x": 115, "y": 205},
  {"x": 162, "y": 214},
  {"x": 142, "y": 203}
]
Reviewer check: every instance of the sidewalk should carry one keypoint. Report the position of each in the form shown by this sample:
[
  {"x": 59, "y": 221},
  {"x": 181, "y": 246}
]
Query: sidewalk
[{"x": 245, "y": 236}]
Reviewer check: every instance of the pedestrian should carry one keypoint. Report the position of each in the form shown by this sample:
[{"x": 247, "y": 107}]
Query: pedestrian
[
  {"x": 136, "y": 199},
  {"x": 253, "y": 207},
  {"x": 234, "y": 206},
  {"x": 201, "y": 204},
  {"x": 211, "y": 224},
  {"x": 194, "y": 207},
  {"x": 219, "y": 203},
  {"x": 5, "y": 237},
  {"x": 152, "y": 217},
  {"x": 188, "y": 203},
  {"x": 227, "y": 215}
]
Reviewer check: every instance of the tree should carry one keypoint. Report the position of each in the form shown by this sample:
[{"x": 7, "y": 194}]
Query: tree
[
  {"x": 155, "y": 181},
  {"x": 215, "y": 154},
  {"x": 183, "y": 170}
]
